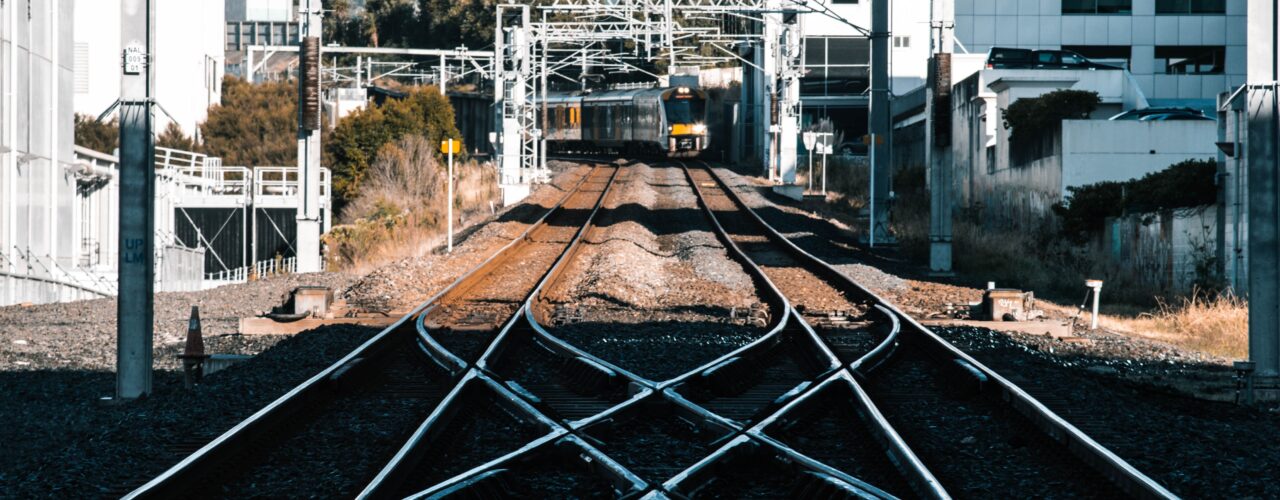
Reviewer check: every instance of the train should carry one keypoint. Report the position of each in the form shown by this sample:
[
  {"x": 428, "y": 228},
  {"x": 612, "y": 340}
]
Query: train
[{"x": 669, "y": 122}]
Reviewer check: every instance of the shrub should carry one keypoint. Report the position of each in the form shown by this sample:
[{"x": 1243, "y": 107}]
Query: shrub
[
  {"x": 173, "y": 138},
  {"x": 1183, "y": 185},
  {"x": 255, "y": 125},
  {"x": 359, "y": 137},
  {"x": 103, "y": 137},
  {"x": 401, "y": 208},
  {"x": 1030, "y": 118}
]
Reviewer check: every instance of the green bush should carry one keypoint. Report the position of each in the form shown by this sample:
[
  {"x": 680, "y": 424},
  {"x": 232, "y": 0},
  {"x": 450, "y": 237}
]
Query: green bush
[
  {"x": 355, "y": 142},
  {"x": 1032, "y": 117},
  {"x": 103, "y": 137},
  {"x": 255, "y": 125},
  {"x": 1183, "y": 185}
]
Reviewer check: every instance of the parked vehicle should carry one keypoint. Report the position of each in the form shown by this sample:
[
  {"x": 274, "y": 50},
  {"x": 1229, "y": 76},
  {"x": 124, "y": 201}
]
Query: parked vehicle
[
  {"x": 1011, "y": 58},
  {"x": 1163, "y": 114}
]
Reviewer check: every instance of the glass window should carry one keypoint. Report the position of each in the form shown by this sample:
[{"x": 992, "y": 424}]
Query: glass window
[
  {"x": 845, "y": 1},
  {"x": 815, "y": 51},
  {"x": 684, "y": 111},
  {"x": 1191, "y": 7},
  {"x": 1097, "y": 6},
  {"x": 1106, "y": 54},
  {"x": 1192, "y": 60},
  {"x": 1045, "y": 58},
  {"x": 848, "y": 51},
  {"x": 1072, "y": 59}
]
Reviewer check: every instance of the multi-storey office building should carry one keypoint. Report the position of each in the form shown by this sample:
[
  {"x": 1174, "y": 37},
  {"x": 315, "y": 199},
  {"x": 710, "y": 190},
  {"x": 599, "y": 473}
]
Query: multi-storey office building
[{"x": 1179, "y": 51}]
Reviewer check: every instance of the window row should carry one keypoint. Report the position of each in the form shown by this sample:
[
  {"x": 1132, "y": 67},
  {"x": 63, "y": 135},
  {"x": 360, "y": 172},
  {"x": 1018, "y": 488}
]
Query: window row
[
  {"x": 1126, "y": 6},
  {"x": 1170, "y": 59}
]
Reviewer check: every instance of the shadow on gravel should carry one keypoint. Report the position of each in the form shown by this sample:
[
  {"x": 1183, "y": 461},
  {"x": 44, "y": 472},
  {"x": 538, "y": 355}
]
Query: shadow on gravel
[
  {"x": 1196, "y": 448},
  {"x": 61, "y": 441},
  {"x": 658, "y": 350}
]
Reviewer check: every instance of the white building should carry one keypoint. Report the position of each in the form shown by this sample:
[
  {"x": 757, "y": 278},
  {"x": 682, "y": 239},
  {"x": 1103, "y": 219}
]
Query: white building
[
  {"x": 188, "y": 59},
  {"x": 37, "y": 181},
  {"x": 1179, "y": 51},
  {"x": 259, "y": 10}
]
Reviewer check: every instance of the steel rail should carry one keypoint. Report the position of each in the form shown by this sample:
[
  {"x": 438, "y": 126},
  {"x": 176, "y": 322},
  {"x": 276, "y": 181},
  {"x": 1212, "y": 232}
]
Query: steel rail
[
  {"x": 1103, "y": 460},
  {"x": 319, "y": 388},
  {"x": 913, "y": 470},
  {"x": 411, "y": 452},
  {"x": 777, "y": 302}
]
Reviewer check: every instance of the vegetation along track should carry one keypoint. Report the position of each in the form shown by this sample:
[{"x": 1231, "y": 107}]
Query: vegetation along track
[
  {"x": 978, "y": 432},
  {"x": 330, "y": 435}
]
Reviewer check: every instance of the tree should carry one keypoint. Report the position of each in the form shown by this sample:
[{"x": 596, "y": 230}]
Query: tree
[
  {"x": 255, "y": 125},
  {"x": 354, "y": 143},
  {"x": 103, "y": 137},
  {"x": 173, "y": 138},
  {"x": 1032, "y": 117}
]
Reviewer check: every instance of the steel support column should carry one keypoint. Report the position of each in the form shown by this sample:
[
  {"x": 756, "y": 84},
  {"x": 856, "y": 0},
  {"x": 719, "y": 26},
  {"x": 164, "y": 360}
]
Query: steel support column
[
  {"x": 512, "y": 84},
  {"x": 134, "y": 330},
  {"x": 1264, "y": 187},
  {"x": 879, "y": 118},
  {"x": 309, "y": 124}
]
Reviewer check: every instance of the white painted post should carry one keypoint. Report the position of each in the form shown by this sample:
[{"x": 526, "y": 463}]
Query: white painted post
[
  {"x": 1095, "y": 287},
  {"x": 449, "y": 146},
  {"x": 825, "y": 150}
]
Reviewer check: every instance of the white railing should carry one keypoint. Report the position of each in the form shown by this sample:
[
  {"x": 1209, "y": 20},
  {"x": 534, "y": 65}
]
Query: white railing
[
  {"x": 260, "y": 269},
  {"x": 283, "y": 181}
]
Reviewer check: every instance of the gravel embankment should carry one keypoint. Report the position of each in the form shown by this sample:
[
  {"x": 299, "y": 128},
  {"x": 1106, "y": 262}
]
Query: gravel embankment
[
  {"x": 651, "y": 288},
  {"x": 57, "y": 361},
  {"x": 1196, "y": 448},
  {"x": 1133, "y": 395},
  {"x": 406, "y": 283}
]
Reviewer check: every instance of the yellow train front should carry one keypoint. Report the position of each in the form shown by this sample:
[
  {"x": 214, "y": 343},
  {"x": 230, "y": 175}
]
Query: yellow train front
[{"x": 669, "y": 122}]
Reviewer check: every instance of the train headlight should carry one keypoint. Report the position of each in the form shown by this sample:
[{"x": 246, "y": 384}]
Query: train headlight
[{"x": 699, "y": 128}]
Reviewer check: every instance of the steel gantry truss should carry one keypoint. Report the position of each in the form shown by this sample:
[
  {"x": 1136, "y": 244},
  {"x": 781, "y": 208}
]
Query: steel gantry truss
[{"x": 536, "y": 44}]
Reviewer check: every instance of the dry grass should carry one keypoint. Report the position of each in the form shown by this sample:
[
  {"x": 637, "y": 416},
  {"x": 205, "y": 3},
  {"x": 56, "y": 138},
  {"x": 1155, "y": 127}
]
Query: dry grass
[
  {"x": 401, "y": 209},
  {"x": 1217, "y": 325}
]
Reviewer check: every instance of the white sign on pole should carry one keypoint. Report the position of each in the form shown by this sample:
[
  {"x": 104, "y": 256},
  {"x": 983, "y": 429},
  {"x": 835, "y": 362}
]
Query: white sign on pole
[{"x": 810, "y": 139}]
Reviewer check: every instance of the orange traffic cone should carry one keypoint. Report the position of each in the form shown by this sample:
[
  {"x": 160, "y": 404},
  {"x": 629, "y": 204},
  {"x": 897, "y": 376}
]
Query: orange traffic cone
[{"x": 193, "y": 355}]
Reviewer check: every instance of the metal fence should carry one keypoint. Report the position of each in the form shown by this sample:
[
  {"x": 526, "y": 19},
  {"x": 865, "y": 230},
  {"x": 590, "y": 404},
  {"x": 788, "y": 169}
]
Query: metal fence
[{"x": 258, "y": 270}]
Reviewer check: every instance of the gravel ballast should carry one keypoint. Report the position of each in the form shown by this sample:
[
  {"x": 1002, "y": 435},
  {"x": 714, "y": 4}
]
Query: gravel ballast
[{"x": 651, "y": 288}]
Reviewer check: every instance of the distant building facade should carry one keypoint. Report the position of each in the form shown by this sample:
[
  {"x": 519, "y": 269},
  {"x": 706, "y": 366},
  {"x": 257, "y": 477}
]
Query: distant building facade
[
  {"x": 38, "y": 225},
  {"x": 1179, "y": 51}
]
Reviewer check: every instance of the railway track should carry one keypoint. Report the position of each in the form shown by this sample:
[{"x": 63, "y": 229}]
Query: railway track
[
  {"x": 476, "y": 395},
  {"x": 964, "y": 420},
  {"x": 334, "y": 431}
]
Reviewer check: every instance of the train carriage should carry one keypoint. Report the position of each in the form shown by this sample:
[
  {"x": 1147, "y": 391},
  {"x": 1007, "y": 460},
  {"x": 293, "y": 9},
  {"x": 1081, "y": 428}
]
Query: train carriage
[{"x": 665, "y": 121}]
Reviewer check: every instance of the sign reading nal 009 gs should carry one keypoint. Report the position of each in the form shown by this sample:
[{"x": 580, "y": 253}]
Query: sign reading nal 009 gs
[{"x": 135, "y": 59}]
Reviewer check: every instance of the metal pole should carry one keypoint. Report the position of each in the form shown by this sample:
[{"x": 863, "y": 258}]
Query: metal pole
[
  {"x": 879, "y": 112},
  {"x": 449, "y": 211},
  {"x": 134, "y": 312},
  {"x": 442, "y": 74},
  {"x": 871, "y": 212},
  {"x": 309, "y": 117},
  {"x": 824, "y": 171}
]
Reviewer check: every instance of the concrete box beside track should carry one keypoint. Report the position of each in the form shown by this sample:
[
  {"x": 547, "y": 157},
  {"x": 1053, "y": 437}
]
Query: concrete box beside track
[{"x": 1008, "y": 305}]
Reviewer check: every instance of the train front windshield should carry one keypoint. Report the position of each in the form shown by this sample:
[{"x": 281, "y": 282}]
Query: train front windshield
[{"x": 685, "y": 110}]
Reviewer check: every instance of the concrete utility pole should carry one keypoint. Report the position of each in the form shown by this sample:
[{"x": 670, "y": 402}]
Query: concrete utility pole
[
  {"x": 879, "y": 115},
  {"x": 309, "y": 118},
  {"x": 134, "y": 312},
  {"x": 1264, "y": 191}
]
